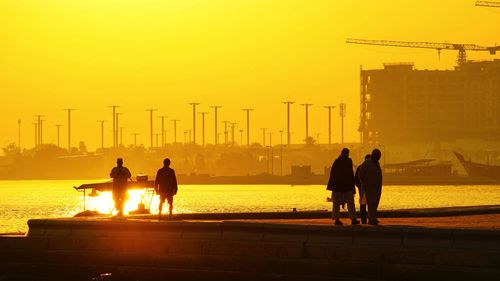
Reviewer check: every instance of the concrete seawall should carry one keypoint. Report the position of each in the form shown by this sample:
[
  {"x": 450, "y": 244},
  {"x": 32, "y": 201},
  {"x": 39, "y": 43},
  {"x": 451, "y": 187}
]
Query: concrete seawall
[{"x": 79, "y": 249}]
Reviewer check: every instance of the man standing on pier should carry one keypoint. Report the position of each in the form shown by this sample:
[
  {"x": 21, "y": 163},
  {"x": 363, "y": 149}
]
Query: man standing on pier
[
  {"x": 341, "y": 184},
  {"x": 120, "y": 176},
  {"x": 166, "y": 186},
  {"x": 370, "y": 175}
]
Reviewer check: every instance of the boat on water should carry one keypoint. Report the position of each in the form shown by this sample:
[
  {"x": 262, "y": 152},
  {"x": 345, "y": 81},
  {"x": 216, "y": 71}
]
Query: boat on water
[{"x": 475, "y": 169}]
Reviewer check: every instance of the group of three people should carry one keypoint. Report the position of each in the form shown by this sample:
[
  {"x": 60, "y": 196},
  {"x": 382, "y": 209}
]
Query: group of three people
[
  {"x": 165, "y": 185},
  {"x": 368, "y": 179}
]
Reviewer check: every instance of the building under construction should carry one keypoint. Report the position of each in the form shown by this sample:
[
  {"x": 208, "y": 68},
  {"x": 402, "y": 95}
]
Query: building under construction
[{"x": 400, "y": 104}]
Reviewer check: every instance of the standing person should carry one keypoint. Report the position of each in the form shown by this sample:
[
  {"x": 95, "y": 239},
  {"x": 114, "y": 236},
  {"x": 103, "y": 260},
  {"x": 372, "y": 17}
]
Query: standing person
[
  {"x": 120, "y": 175},
  {"x": 166, "y": 186},
  {"x": 370, "y": 175},
  {"x": 341, "y": 184},
  {"x": 362, "y": 193}
]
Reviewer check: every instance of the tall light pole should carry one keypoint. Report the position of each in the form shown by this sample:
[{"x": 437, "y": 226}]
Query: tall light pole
[
  {"x": 194, "y": 104},
  {"x": 342, "y": 112},
  {"x": 241, "y": 137},
  {"x": 36, "y": 134},
  {"x": 115, "y": 142},
  {"x": 306, "y": 106},
  {"x": 39, "y": 130},
  {"x": 203, "y": 113},
  {"x": 175, "y": 129},
  {"x": 247, "y": 110},
  {"x": 69, "y": 110},
  {"x": 19, "y": 134},
  {"x": 135, "y": 139},
  {"x": 281, "y": 150},
  {"x": 289, "y": 136},
  {"x": 162, "y": 117},
  {"x": 225, "y": 132},
  {"x": 263, "y": 136},
  {"x": 151, "y": 110},
  {"x": 58, "y": 134},
  {"x": 121, "y": 136},
  {"x": 232, "y": 132},
  {"x": 216, "y": 138},
  {"x": 329, "y": 107},
  {"x": 117, "y": 117},
  {"x": 102, "y": 132}
]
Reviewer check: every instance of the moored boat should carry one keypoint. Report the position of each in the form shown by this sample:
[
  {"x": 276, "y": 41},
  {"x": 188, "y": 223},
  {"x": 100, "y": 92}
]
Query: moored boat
[{"x": 475, "y": 169}]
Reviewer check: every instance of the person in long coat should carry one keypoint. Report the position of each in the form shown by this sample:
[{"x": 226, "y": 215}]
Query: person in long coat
[
  {"x": 370, "y": 175},
  {"x": 341, "y": 184},
  {"x": 362, "y": 193}
]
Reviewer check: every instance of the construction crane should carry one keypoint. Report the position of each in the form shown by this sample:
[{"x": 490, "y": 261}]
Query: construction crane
[
  {"x": 488, "y": 4},
  {"x": 461, "y": 48}
]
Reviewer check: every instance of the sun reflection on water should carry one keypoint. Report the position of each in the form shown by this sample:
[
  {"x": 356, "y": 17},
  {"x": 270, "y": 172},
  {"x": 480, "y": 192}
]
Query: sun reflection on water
[{"x": 104, "y": 204}]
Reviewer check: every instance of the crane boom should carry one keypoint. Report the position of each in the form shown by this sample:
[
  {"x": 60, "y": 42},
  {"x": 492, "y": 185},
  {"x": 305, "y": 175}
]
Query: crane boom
[
  {"x": 461, "y": 48},
  {"x": 488, "y": 4}
]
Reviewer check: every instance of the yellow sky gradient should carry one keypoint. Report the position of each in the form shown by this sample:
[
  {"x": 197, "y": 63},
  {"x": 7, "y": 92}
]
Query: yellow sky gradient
[{"x": 164, "y": 54}]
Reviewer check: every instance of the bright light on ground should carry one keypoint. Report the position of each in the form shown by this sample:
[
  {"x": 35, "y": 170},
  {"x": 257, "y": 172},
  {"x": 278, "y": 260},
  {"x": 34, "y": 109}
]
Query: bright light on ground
[{"x": 104, "y": 204}]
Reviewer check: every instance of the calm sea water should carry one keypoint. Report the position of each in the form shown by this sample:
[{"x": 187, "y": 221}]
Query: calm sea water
[{"x": 22, "y": 200}]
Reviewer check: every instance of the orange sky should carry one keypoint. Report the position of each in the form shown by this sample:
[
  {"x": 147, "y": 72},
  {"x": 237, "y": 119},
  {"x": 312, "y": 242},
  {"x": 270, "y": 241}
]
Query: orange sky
[{"x": 163, "y": 54}]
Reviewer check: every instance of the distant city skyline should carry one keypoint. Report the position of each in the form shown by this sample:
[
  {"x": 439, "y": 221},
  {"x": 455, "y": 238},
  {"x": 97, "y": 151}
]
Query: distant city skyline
[{"x": 165, "y": 54}]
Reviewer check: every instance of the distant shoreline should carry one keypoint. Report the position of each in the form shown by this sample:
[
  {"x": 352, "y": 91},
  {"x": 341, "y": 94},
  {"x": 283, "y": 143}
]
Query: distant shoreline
[{"x": 267, "y": 179}]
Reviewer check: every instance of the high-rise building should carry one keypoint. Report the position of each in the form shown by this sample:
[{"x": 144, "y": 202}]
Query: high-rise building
[{"x": 401, "y": 104}]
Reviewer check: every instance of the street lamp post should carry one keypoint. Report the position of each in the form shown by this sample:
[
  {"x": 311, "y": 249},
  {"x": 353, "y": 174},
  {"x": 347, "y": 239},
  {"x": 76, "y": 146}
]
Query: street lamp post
[
  {"x": 247, "y": 110},
  {"x": 203, "y": 113},
  {"x": 115, "y": 139},
  {"x": 151, "y": 110},
  {"x": 306, "y": 106},
  {"x": 162, "y": 117},
  {"x": 58, "y": 126},
  {"x": 329, "y": 107},
  {"x": 69, "y": 127},
  {"x": 232, "y": 132},
  {"x": 288, "y": 103},
  {"x": 216, "y": 138},
  {"x": 194, "y": 104},
  {"x": 342, "y": 112},
  {"x": 19, "y": 134},
  {"x": 175, "y": 129},
  {"x": 263, "y": 136},
  {"x": 102, "y": 132}
]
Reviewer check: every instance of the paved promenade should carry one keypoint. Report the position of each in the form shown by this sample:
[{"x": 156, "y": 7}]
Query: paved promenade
[
  {"x": 491, "y": 222},
  {"x": 252, "y": 246}
]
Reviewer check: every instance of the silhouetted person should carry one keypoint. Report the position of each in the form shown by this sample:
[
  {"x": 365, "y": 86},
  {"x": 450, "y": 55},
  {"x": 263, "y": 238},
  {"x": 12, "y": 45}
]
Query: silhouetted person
[
  {"x": 370, "y": 175},
  {"x": 362, "y": 193},
  {"x": 341, "y": 184},
  {"x": 166, "y": 186},
  {"x": 120, "y": 177}
]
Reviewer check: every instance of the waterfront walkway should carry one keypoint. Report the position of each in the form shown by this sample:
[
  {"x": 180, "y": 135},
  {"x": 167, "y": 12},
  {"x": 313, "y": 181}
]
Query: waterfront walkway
[
  {"x": 297, "y": 246},
  {"x": 455, "y": 222}
]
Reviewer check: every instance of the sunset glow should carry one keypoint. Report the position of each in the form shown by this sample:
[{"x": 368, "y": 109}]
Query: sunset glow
[
  {"x": 91, "y": 54},
  {"x": 103, "y": 203}
]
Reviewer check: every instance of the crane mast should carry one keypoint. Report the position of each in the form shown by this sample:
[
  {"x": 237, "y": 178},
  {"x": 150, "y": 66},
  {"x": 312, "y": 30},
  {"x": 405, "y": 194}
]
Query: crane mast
[
  {"x": 461, "y": 48},
  {"x": 488, "y": 4}
]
